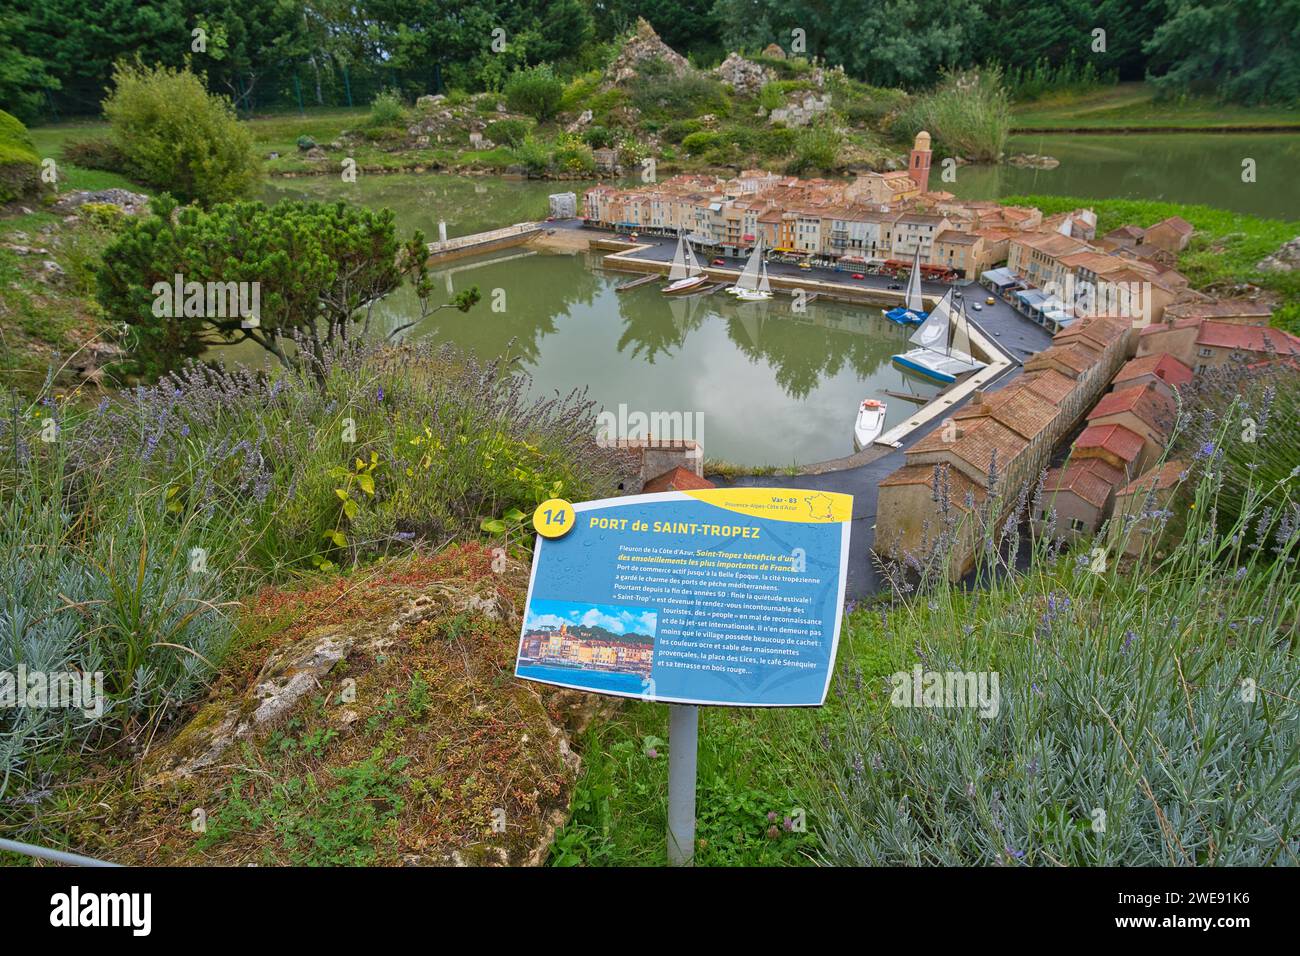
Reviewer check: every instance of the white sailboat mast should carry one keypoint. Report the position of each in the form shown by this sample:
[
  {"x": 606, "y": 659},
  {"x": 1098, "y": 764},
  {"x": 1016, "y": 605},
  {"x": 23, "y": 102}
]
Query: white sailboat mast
[{"x": 913, "y": 298}]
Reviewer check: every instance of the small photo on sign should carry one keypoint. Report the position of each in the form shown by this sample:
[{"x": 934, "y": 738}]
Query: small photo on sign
[{"x": 607, "y": 646}]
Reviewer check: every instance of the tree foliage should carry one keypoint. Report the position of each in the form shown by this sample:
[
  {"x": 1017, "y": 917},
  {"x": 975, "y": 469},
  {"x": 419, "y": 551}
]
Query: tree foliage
[
  {"x": 174, "y": 135},
  {"x": 317, "y": 265}
]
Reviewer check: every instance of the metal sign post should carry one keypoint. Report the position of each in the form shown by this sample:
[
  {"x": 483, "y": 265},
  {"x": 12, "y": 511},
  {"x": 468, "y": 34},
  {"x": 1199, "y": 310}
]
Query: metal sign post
[{"x": 683, "y": 746}]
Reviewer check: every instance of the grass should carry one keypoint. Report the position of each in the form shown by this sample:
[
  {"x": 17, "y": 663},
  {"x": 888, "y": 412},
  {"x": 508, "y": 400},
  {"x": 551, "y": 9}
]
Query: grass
[
  {"x": 1136, "y": 105},
  {"x": 41, "y": 323}
]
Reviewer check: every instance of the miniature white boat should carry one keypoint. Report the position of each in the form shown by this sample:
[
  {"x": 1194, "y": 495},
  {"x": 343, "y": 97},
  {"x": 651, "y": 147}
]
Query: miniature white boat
[
  {"x": 752, "y": 286},
  {"x": 937, "y": 358},
  {"x": 685, "y": 273},
  {"x": 870, "y": 423}
]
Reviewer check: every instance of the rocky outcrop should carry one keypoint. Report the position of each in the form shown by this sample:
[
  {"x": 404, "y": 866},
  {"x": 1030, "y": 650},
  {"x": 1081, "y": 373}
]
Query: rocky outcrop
[
  {"x": 1034, "y": 161},
  {"x": 1286, "y": 259},
  {"x": 643, "y": 46},
  {"x": 130, "y": 203},
  {"x": 745, "y": 77},
  {"x": 801, "y": 108}
]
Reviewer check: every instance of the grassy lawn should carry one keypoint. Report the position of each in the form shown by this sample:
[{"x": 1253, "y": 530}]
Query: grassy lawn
[{"x": 1135, "y": 104}]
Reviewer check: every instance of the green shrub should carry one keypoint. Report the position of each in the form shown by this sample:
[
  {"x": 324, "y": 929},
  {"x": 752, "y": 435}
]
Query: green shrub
[
  {"x": 305, "y": 143},
  {"x": 124, "y": 542},
  {"x": 678, "y": 130},
  {"x": 574, "y": 156},
  {"x": 579, "y": 91},
  {"x": 770, "y": 97},
  {"x": 487, "y": 103},
  {"x": 314, "y": 265},
  {"x": 701, "y": 142},
  {"x": 510, "y": 132},
  {"x": 598, "y": 137},
  {"x": 457, "y": 97},
  {"x": 533, "y": 155},
  {"x": 968, "y": 114},
  {"x": 387, "y": 111},
  {"x": 177, "y": 137},
  {"x": 534, "y": 91},
  {"x": 664, "y": 96},
  {"x": 94, "y": 152},
  {"x": 20, "y": 166},
  {"x": 815, "y": 148}
]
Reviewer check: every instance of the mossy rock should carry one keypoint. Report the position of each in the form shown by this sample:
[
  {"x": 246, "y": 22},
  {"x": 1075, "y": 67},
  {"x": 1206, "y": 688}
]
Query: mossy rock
[{"x": 20, "y": 166}]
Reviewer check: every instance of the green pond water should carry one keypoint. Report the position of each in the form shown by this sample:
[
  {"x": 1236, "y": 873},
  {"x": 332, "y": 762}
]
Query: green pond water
[{"x": 770, "y": 386}]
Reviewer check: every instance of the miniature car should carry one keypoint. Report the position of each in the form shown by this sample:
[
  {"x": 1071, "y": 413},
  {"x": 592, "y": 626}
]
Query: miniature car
[
  {"x": 858, "y": 275},
  {"x": 989, "y": 300},
  {"x": 805, "y": 265},
  {"x": 719, "y": 262},
  {"x": 977, "y": 307},
  {"x": 895, "y": 286}
]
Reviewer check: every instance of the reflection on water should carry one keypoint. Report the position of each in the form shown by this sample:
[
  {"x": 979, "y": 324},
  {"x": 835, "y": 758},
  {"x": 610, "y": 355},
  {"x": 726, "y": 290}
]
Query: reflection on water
[
  {"x": 1171, "y": 167},
  {"x": 774, "y": 387}
]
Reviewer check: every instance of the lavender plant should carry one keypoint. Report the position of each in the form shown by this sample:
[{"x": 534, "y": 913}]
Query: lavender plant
[
  {"x": 1147, "y": 712},
  {"x": 129, "y": 529}
]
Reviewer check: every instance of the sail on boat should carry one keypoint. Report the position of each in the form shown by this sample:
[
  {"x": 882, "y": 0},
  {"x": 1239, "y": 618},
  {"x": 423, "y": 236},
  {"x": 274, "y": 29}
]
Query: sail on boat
[
  {"x": 685, "y": 273},
  {"x": 912, "y": 311},
  {"x": 752, "y": 286},
  {"x": 937, "y": 356}
]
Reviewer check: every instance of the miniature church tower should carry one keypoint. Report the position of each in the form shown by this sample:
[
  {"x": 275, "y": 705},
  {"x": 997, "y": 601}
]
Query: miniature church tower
[{"x": 918, "y": 163}]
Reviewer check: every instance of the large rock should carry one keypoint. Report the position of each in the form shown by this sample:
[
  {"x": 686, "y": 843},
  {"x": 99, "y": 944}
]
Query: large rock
[
  {"x": 1286, "y": 259},
  {"x": 644, "y": 45},
  {"x": 744, "y": 76}
]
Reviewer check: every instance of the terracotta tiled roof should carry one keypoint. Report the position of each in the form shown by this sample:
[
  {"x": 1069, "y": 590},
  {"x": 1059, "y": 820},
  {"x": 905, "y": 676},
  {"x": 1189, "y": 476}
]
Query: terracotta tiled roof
[
  {"x": 1074, "y": 356},
  {"x": 678, "y": 479},
  {"x": 1121, "y": 442},
  {"x": 1146, "y": 402},
  {"x": 1159, "y": 478},
  {"x": 1130, "y": 232},
  {"x": 1247, "y": 338},
  {"x": 1050, "y": 384},
  {"x": 1161, "y": 364},
  {"x": 1017, "y": 406},
  {"x": 1084, "y": 479},
  {"x": 1177, "y": 223},
  {"x": 959, "y": 486}
]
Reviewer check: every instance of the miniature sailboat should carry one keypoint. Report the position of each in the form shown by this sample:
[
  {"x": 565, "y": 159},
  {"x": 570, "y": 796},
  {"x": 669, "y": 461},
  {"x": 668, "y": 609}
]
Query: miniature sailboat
[
  {"x": 870, "y": 423},
  {"x": 912, "y": 311},
  {"x": 685, "y": 273},
  {"x": 752, "y": 286},
  {"x": 936, "y": 358}
]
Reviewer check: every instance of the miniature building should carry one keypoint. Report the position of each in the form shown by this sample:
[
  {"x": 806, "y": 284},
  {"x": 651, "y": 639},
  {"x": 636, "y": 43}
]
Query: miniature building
[
  {"x": 676, "y": 479},
  {"x": 918, "y": 161},
  {"x": 1144, "y": 508},
  {"x": 1171, "y": 235},
  {"x": 1163, "y": 371},
  {"x": 564, "y": 205},
  {"x": 1078, "y": 497}
]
